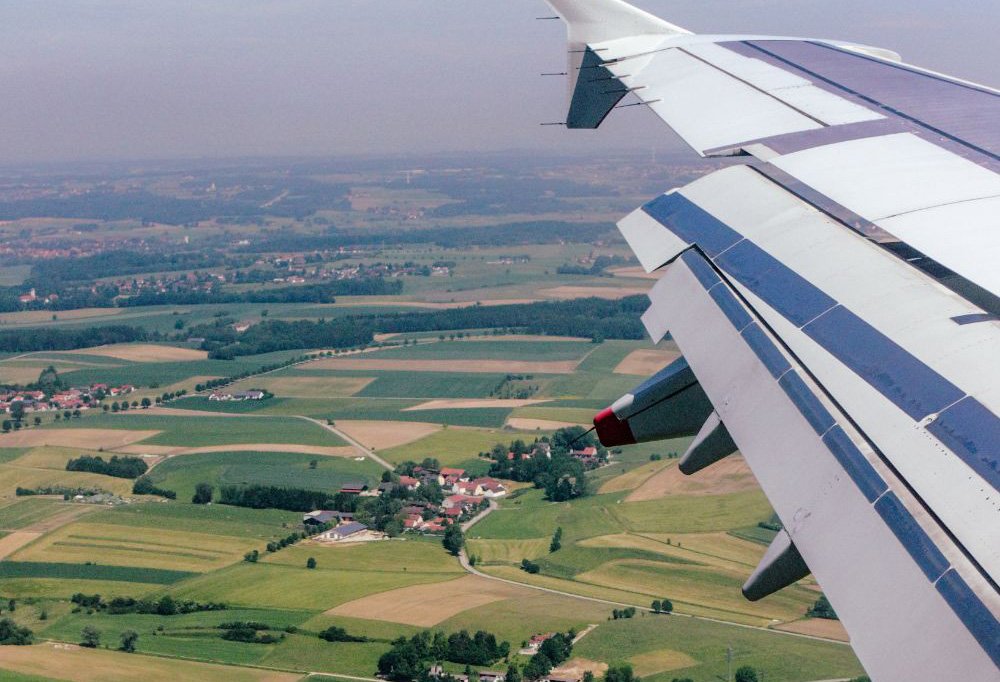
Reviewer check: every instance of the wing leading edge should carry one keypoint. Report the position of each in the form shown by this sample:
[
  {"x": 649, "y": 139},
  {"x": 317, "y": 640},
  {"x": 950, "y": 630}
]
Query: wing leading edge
[{"x": 835, "y": 299}]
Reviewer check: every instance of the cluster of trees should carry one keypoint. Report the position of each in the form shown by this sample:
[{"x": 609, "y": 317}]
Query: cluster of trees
[
  {"x": 411, "y": 659},
  {"x": 512, "y": 387},
  {"x": 13, "y": 634},
  {"x": 584, "y": 317},
  {"x": 52, "y": 271},
  {"x": 619, "y": 614},
  {"x": 66, "y": 492},
  {"x": 164, "y": 606},
  {"x": 530, "y": 566},
  {"x": 273, "y": 497},
  {"x": 556, "y": 544},
  {"x": 119, "y": 467},
  {"x": 822, "y": 609},
  {"x": 71, "y": 338},
  {"x": 560, "y": 475},
  {"x": 249, "y": 632},
  {"x": 595, "y": 269},
  {"x": 454, "y": 539},
  {"x": 145, "y": 486},
  {"x": 223, "y": 343},
  {"x": 662, "y": 606},
  {"x": 553, "y": 651},
  {"x": 321, "y": 292},
  {"x": 339, "y": 634}
]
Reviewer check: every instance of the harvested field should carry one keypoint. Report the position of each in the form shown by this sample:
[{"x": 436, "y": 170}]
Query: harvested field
[
  {"x": 660, "y": 661},
  {"x": 731, "y": 475},
  {"x": 527, "y": 424},
  {"x": 611, "y": 293},
  {"x": 646, "y": 361},
  {"x": 305, "y": 387},
  {"x": 474, "y": 366},
  {"x": 427, "y": 605},
  {"x": 817, "y": 627},
  {"x": 470, "y": 404},
  {"x": 15, "y": 541},
  {"x": 576, "y": 667},
  {"x": 21, "y": 374},
  {"x": 34, "y": 316},
  {"x": 146, "y": 352},
  {"x": 75, "y": 664},
  {"x": 635, "y": 271},
  {"x": 90, "y": 439},
  {"x": 342, "y": 451},
  {"x": 149, "y": 450},
  {"x": 379, "y": 435},
  {"x": 631, "y": 480}
]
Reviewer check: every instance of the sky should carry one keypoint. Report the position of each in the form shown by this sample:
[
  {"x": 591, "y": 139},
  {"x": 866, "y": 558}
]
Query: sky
[{"x": 163, "y": 79}]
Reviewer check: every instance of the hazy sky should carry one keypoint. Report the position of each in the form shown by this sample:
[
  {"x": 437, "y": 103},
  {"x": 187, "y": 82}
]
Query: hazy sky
[{"x": 133, "y": 79}]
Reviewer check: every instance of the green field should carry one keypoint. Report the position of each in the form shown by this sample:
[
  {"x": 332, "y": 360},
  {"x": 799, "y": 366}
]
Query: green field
[
  {"x": 474, "y": 349},
  {"x": 255, "y": 524},
  {"x": 26, "y": 511},
  {"x": 451, "y": 447},
  {"x": 128, "y": 574},
  {"x": 209, "y": 430},
  {"x": 182, "y": 474}
]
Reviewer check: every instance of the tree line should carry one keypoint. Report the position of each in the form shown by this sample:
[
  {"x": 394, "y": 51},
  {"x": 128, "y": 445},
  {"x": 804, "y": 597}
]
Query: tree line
[{"x": 411, "y": 659}]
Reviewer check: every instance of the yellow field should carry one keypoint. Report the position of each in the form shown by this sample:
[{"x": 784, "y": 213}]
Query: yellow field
[
  {"x": 126, "y": 546},
  {"x": 567, "y": 291},
  {"x": 88, "y": 439},
  {"x": 646, "y": 361},
  {"x": 427, "y": 605},
  {"x": 466, "y": 403},
  {"x": 305, "y": 387},
  {"x": 52, "y": 457},
  {"x": 705, "y": 586},
  {"x": 714, "y": 549},
  {"x": 72, "y": 663},
  {"x": 576, "y": 667},
  {"x": 380, "y": 435},
  {"x": 511, "y": 551},
  {"x": 731, "y": 475},
  {"x": 146, "y": 352},
  {"x": 660, "y": 661},
  {"x": 12, "y": 477},
  {"x": 631, "y": 480},
  {"x": 15, "y": 541},
  {"x": 817, "y": 627},
  {"x": 34, "y": 316}
]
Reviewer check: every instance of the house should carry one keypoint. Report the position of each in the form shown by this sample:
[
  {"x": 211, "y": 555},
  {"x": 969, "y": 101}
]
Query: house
[
  {"x": 535, "y": 642},
  {"x": 491, "y": 487},
  {"x": 468, "y": 488},
  {"x": 563, "y": 677},
  {"x": 241, "y": 327},
  {"x": 448, "y": 477},
  {"x": 320, "y": 516},
  {"x": 491, "y": 676},
  {"x": 409, "y": 482},
  {"x": 589, "y": 451},
  {"x": 386, "y": 487},
  {"x": 344, "y": 531},
  {"x": 216, "y": 395},
  {"x": 354, "y": 488},
  {"x": 248, "y": 395}
]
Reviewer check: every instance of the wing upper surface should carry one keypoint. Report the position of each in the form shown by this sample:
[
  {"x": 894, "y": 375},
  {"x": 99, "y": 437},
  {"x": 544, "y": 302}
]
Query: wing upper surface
[{"x": 835, "y": 298}]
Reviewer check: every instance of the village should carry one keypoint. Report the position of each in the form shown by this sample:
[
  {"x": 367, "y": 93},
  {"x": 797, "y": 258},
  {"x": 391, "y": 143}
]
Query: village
[{"x": 17, "y": 403}]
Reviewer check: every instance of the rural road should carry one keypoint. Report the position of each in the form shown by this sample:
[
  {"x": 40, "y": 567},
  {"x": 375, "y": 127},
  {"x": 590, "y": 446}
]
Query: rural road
[{"x": 463, "y": 559}]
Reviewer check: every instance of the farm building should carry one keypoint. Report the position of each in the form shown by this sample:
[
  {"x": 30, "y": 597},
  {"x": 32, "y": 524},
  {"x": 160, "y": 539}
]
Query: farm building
[
  {"x": 354, "y": 487},
  {"x": 320, "y": 516},
  {"x": 344, "y": 531}
]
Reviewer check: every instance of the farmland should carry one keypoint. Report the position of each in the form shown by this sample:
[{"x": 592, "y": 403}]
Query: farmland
[{"x": 334, "y": 412}]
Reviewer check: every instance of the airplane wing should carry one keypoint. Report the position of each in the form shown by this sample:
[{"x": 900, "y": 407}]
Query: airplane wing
[{"x": 835, "y": 293}]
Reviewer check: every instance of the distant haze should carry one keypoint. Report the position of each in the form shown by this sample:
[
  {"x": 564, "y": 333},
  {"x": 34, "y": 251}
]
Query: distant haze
[{"x": 133, "y": 79}]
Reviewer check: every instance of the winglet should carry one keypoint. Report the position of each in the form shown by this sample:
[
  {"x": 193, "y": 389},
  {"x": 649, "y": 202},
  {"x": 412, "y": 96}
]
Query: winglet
[
  {"x": 593, "y": 90},
  {"x": 594, "y": 21}
]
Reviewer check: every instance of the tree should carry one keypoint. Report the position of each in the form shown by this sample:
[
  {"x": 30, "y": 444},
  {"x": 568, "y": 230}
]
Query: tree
[
  {"x": 311, "y": 562},
  {"x": 38, "y": 421},
  {"x": 202, "y": 493},
  {"x": 556, "y": 543},
  {"x": 313, "y": 463},
  {"x": 538, "y": 667},
  {"x": 128, "y": 640},
  {"x": 454, "y": 539},
  {"x": 588, "y": 676},
  {"x": 746, "y": 674},
  {"x": 655, "y": 606},
  {"x": 17, "y": 410},
  {"x": 620, "y": 673},
  {"x": 666, "y": 606},
  {"x": 145, "y": 403},
  {"x": 11, "y": 634},
  {"x": 513, "y": 674},
  {"x": 7, "y": 425},
  {"x": 90, "y": 637}
]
